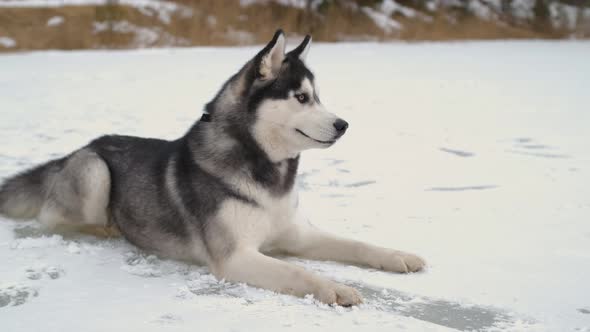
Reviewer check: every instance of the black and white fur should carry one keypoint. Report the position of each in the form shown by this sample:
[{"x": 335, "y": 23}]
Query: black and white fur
[{"x": 221, "y": 195}]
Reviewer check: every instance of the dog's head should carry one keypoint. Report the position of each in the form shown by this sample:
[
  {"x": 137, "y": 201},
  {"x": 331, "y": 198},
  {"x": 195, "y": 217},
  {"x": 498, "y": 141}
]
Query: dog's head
[{"x": 275, "y": 95}]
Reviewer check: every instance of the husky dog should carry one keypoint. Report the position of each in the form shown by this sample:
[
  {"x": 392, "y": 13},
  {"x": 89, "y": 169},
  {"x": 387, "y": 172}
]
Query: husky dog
[{"x": 221, "y": 195}]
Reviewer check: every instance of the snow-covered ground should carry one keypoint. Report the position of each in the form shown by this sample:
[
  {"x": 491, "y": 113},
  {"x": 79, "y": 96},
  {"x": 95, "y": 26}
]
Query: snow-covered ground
[{"x": 474, "y": 155}]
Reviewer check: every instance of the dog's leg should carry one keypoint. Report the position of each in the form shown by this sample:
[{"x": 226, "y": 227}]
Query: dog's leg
[
  {"x": 256, "y": 269},
  {"x": 99, "y": 231},
  {"x": 308, "y": 242},
  {"x": 78, "y": 194}
]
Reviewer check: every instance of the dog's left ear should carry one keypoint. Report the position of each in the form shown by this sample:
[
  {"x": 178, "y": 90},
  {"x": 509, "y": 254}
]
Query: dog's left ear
[
  {"x": 301, "y": 50},
  {"x": 269, "y": 60}
]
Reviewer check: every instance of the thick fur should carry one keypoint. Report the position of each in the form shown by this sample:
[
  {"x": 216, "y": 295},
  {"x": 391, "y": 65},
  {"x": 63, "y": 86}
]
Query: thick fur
[
  {"x": 22, "y": 196},
  {"x": 221, "y": 195}
]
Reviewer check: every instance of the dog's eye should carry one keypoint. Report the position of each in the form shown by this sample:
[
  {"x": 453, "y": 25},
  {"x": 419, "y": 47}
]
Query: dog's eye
[{"x": 302, "y": 98}]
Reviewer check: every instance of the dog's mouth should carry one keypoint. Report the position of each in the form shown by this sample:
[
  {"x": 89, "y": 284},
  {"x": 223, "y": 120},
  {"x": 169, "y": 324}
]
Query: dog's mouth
[{"x": 315, "y": 140}]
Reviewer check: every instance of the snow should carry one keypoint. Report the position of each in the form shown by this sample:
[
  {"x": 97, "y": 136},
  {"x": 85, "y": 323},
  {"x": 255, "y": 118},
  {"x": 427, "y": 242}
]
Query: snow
[
  {"x": 164, "y": 9},
  {"x": 432, "y": 5},
  {"x": 523, "y": 9},
  {"x": 288, "y": 3},
  {"x": 474, "y": 155},
  {"x": 382, "y": 20},
  {"x": 390, "y": 7},
  {"x": 7, "y": 42},
  {"x": 55, "y": 21},
  {"x": 563, "y": 16},
  {"x": 143, "y": 36},
  {"x": 382, "y": 15},
  {"x": 62, "y": 3},
  {"x": 481, "y": 9},
  {"x": 211, "y": 20}
]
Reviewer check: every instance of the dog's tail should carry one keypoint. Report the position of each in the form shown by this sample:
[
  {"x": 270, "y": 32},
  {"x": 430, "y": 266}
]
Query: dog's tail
[{"x": 23, "y": 195}]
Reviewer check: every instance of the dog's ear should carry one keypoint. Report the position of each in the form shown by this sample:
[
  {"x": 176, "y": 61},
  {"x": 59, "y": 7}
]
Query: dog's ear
[
  {"x": 268, "y": 61},
  {"x": 301, "y": 50}
]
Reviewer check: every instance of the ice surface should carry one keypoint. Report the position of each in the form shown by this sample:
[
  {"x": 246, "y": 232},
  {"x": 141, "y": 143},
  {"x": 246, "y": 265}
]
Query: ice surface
[{"x": 474, "y": 155}]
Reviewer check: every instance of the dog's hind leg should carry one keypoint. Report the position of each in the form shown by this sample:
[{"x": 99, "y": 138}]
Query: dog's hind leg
[{"x": 78, "y": 194}]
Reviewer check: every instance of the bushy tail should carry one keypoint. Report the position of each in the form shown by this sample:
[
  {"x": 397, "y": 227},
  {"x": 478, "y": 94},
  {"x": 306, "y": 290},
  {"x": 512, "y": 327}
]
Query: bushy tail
[{"x": 22, "y": 196}]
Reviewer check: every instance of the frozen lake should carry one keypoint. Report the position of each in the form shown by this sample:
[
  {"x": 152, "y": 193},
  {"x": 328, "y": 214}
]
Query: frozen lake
[{"x": 474, "y": 155}]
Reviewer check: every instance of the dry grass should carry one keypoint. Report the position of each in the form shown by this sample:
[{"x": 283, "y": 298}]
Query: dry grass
[
  {"x": 262, "y": 20},
  {"x": 441, "y": 29},
  {"x": 28, "y": 26},
  {"x": 213, "y": 21}
]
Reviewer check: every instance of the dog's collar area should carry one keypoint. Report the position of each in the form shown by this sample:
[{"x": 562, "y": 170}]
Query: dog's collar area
[{"x": 206, "y": 117}]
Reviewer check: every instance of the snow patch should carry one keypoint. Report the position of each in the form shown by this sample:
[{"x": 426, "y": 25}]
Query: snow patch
[
  {"x": 164, "y": 9},
  {"x": 390, "y": 7},
  {"x": 211, "y": 20},
  {"x": 481, "y": 10},
  {"x": 523, "y": 9},
  {"x": 143, "y": 37},
  {"x": 382, "y": 20},
  {"x": 289, "y": 3},
  {"x": 381, "y": 16},
  {"x": 563, "y": 16},
  {"x": 432, "y": 5},
  {"x": 55, "y": 21},
  {"x": 7, "y": 42}
]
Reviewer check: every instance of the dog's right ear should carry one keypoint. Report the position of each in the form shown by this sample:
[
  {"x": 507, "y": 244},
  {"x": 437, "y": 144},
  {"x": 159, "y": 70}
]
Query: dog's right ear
[{"x": 268, "y": 61}]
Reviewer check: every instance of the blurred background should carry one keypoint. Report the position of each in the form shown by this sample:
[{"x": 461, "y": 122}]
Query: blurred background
[{"x": 97, "y": 24}]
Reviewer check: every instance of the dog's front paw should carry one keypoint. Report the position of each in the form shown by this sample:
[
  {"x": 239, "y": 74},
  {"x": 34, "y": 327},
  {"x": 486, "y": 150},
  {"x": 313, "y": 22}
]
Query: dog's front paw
[
  {"x": 334, "y": 293},
  {"x": 402, "y": 262}
]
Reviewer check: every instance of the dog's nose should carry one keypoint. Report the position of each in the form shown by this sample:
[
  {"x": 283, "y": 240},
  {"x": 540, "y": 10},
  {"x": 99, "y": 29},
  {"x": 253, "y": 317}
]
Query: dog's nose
[{"x": 340, "y": 126}]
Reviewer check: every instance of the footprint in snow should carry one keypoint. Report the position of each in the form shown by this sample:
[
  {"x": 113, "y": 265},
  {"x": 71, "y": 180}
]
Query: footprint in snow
[
  {"x": 15, "y": 295},
  {"x": 150, "y": 266},
  {"x": 19, "y": 294},
  {"x": 53, "y": 272}
]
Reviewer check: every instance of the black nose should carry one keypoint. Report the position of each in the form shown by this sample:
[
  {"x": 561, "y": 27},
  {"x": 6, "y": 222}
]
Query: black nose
[{"x": 340, "y": 126}]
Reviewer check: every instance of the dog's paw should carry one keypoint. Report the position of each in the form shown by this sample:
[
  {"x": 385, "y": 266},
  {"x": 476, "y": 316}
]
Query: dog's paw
[
  {"x": 334, "y": 293},
  {"x": 402, "y": 262}
]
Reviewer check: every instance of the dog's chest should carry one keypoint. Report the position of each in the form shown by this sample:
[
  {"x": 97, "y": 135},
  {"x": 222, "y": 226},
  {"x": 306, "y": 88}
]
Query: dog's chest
[{"x": 261, "y": 224}]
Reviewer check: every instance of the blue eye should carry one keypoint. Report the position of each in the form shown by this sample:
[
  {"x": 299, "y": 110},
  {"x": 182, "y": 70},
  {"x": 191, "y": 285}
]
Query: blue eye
[{"x": 302, "y": 98}]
